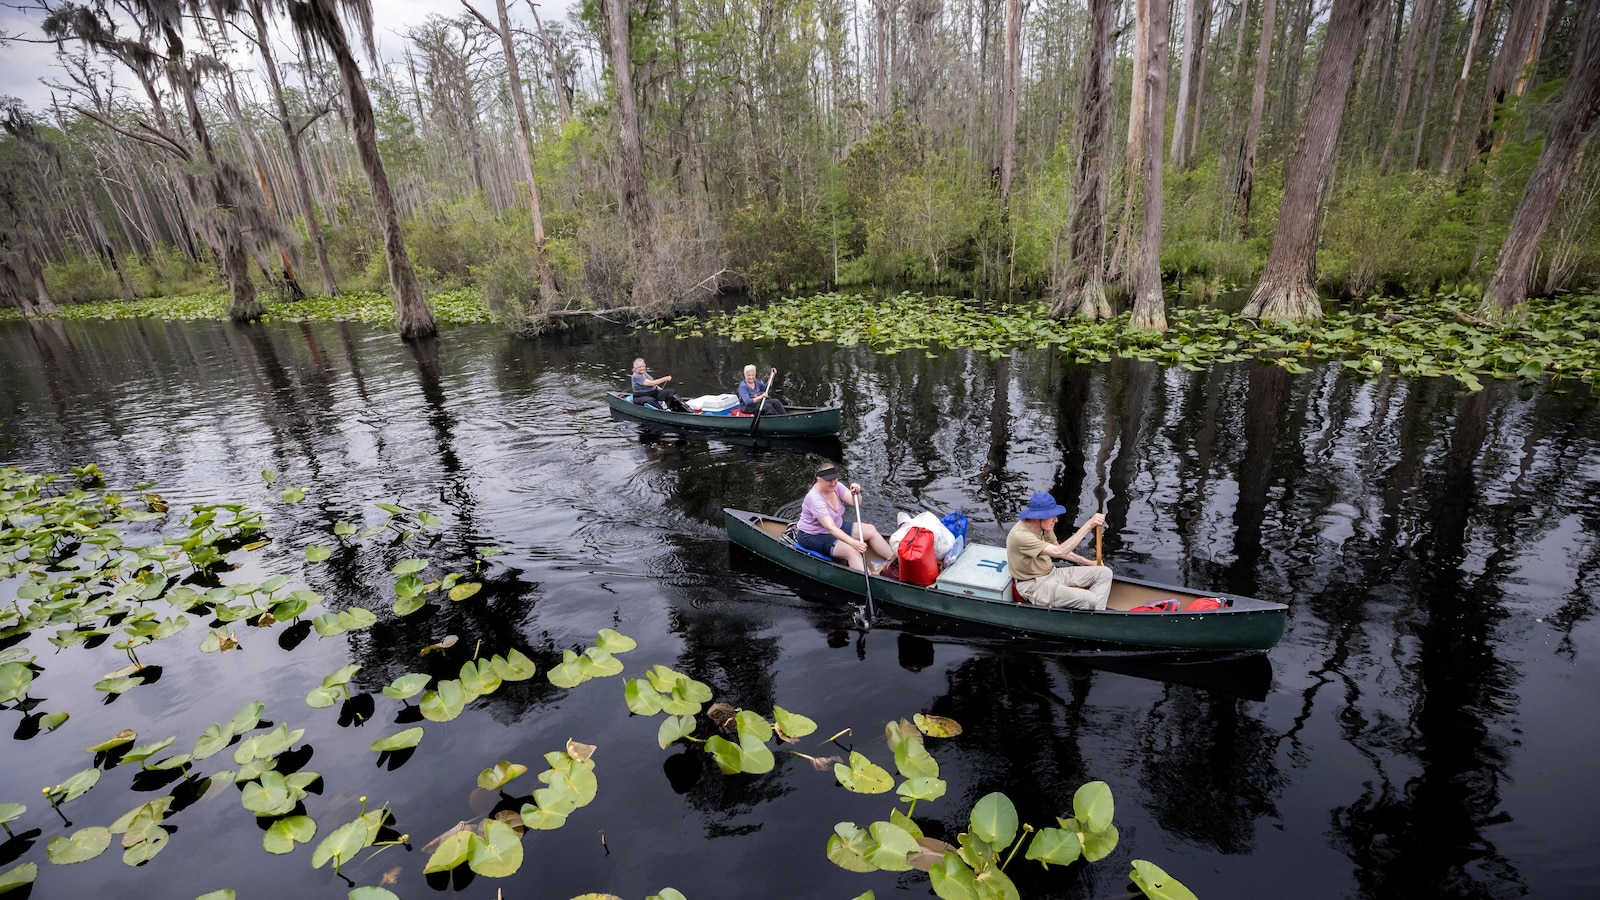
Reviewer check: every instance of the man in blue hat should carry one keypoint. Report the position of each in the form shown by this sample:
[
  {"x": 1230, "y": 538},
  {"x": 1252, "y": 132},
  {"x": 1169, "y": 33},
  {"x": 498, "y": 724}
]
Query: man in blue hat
[{"x": 1031, "y": 551}]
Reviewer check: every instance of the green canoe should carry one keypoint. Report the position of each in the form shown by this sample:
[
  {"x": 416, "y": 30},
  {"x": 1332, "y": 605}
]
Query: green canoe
[
  {"x": 1243, "y": 624},
  {"x": 801, "y": 421}
]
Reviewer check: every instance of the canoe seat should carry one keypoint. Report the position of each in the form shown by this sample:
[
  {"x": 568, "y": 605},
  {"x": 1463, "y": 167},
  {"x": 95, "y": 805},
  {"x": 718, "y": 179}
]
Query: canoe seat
[
  {"x": 1016, "y": 594},
  {"x": 809, "y": 552},
  {"x": 790, "y": 537}
]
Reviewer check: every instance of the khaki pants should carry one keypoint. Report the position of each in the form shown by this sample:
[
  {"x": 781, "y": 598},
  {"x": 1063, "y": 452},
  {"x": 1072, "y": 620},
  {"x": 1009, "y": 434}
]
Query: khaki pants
[{"x": 1069, "y": 587}]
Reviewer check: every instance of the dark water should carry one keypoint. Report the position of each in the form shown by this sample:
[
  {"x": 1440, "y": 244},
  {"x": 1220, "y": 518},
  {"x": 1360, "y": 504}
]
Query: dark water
[{"x": 1425, "y": 728}]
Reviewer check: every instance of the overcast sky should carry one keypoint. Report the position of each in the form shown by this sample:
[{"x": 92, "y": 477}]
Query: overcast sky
[{"x": 22, "y": 65}]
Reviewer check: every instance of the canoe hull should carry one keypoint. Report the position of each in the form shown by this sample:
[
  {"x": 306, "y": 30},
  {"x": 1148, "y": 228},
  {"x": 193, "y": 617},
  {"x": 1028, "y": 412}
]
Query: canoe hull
[
  {"x": 800, "y": 422},
  {"x": 1248, "y": 624}
]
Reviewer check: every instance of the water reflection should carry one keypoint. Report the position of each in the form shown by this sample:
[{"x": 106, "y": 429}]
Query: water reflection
[{"x": 1438, "y": 549}]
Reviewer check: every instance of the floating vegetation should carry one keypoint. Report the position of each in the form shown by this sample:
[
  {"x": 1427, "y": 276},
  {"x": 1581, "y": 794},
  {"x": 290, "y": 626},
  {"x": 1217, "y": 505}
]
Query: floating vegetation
[
  {"x": 465, "y": 306},
  {"x": 86, "y": 563},
  {"x": 974, "y": 867},
  {"x": 1409, "y": 336}
]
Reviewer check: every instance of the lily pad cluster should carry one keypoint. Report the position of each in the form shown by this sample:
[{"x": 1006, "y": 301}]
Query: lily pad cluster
[
  {"x": 89, "y": 569},
  {"x": 90, "y": 564},
  {"x": 1559, "y": 338},
  {"x": 464, "y": 306},
  {"x": 975, "y": 867}
]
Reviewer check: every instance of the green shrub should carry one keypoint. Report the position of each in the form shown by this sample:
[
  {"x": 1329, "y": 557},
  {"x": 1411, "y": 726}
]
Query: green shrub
[{"x": 774, "y": 248}]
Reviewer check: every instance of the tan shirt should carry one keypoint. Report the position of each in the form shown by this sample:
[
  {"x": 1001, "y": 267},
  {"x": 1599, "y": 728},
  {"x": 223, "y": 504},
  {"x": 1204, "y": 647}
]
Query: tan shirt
[{"x": 1026, "y": 552}]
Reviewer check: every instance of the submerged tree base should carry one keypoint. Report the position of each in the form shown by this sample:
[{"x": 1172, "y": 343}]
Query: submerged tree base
[
  {"x": 1084, "y": 301},
  {"x": 1286, "y": 300}
]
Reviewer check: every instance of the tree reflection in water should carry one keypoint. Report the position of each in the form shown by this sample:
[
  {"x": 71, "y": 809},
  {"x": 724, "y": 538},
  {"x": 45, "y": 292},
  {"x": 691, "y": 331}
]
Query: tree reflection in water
[{"x": 1438, "y": 549}]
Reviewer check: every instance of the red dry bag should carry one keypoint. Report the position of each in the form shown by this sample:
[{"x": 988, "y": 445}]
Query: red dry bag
[{"x": 918, "y": 565}]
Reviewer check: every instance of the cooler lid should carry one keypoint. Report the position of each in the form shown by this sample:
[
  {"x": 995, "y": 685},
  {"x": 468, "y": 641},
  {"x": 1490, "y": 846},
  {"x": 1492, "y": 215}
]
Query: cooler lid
[{"x": 979, "y": 566}]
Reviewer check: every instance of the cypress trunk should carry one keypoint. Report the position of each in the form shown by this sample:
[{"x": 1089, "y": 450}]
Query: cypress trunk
[
  {"x": 1562, "y": 149},
  {"x": 1082, "y": 291},
  {"x": 1149, "y": 307},
  {"x": 1287, "y": 289}
]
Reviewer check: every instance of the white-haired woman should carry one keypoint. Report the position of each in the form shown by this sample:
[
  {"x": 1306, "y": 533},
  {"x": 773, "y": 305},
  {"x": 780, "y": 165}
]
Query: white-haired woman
[
  {"x": 754, "y": 394},
  {"x": 650, "y": 390}
]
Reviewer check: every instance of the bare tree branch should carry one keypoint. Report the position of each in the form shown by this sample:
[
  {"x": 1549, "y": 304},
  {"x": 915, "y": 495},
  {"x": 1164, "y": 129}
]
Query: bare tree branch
[{"x": 156, "y": 138}]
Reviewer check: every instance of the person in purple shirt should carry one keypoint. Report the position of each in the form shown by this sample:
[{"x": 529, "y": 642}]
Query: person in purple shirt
[
  {"x": 823, "y": 528},
  {"x": 754, "y": 395}
]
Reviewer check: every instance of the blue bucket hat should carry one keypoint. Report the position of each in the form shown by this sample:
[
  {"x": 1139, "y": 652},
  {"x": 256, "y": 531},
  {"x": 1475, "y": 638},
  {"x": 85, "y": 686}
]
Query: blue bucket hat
[{"x": 1042, "y": 506}]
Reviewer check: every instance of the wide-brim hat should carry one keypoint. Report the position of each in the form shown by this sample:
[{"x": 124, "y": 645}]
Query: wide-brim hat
[{"x": 1041, "y": 506}]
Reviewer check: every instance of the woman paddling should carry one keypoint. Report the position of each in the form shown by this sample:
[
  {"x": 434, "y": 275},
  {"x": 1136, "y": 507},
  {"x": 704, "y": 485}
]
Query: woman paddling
[{"x": 823, "y": 529}]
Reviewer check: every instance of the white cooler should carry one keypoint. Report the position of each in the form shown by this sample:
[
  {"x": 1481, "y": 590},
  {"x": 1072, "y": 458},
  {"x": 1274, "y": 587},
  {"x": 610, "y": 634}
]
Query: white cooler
[{"x": 980, "y": 571}]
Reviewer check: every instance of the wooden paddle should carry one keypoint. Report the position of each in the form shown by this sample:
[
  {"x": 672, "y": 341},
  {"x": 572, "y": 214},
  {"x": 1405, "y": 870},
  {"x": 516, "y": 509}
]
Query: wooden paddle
[
  {"x": 772, "y": 381},
  {"x": 1099, "y": 532},
  {"x": 866, "y": 564}
]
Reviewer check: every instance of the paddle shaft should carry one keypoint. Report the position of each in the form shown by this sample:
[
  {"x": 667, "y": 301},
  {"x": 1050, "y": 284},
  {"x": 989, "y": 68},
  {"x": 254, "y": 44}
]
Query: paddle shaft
[
  {"x": 772, "y": 382},
  {"x": 866, "y": 565},
  {"x": 1099, "y": 532}
]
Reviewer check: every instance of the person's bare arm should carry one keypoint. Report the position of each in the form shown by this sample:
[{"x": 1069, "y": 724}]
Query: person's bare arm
[{"x": 1067, "y": 549}]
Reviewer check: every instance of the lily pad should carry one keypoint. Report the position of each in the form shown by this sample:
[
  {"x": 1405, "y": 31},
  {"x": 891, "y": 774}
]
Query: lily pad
[
  {"x": 498, "y": 854},
  {"x": 283, "y": 834},
  {"x": 792, "y": 726},
  {"x": 18, "y": 876},
  {"x": 922, "y": 789},
  {"x": 76, "y": 786},
  {"x": 848, "y": 848},
  {"x": 749, "y": 757},
  {"x": 463, "y": 591},
  {"x": 936, "y": 726},
  {"x": 349, "y": 839},
  {"x": 1055, "y": 846},
  {"x": 514, "y": 666},
  {"x": 542, "y": 819},
  {"x": 83, "y": 844},
  {"x": 451, "y": 852},
  {"x": 406, "y": 686},
  {"x": 145, "y": 751},
  {"x": 994, "y": 818},
  {"x": 1156, "y": 883},
  {"x": 213, "y": 739},
  {"x": 863, "y": 776},
  {"x": 641, "y": 698},
  {"x": 400, "y": 741},
  {"x": 118, "y": 685},
  {"x": 276, "y": 794},
  {"x": 248, "y": 716},
  {"x": 497, "y": 775},
  {"x": 444, "y": 702},
  {"x": 569, "y": 673},
  {"x": 672, "y": 728},
  {"x": 612, "y": 642},
  {"x": 892, "y": 847},
  {"x": 479, "y": 679},
  {"x": 1093, "y": 806},
  {"x": 9, "y": 812},
  {"x": 125, "y": 736},
  {"x": 913, "y": 761}
]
